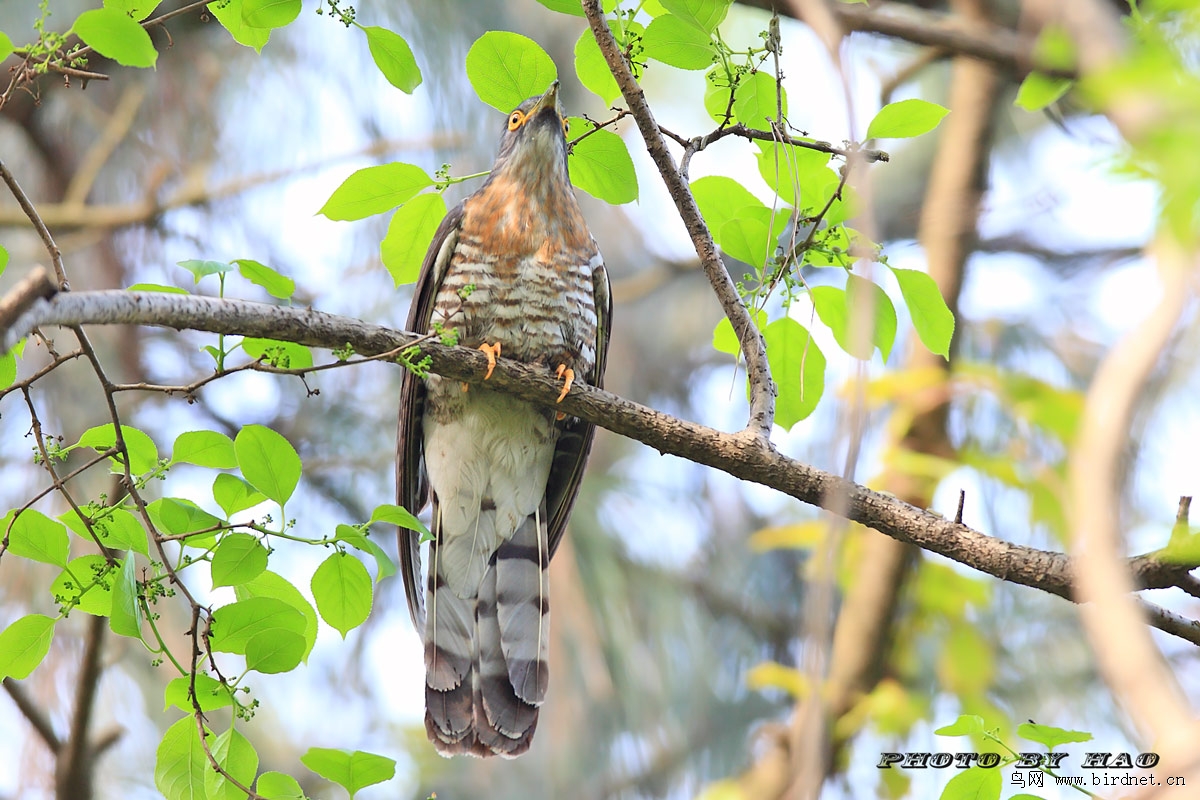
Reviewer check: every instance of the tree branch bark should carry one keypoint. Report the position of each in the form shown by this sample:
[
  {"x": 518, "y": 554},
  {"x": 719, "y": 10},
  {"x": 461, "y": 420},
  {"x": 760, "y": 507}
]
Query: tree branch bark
[{"x": 748, "y": 458}]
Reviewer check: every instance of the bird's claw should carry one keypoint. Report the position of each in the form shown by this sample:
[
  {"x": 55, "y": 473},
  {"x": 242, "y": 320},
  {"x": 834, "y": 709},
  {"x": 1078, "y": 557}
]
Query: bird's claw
[
  {"x": 491, "y": 351},
  {"x": 568, "y": 376}
]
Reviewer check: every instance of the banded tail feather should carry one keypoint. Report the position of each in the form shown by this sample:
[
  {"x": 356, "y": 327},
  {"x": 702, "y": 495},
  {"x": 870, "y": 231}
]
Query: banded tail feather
[{"x": 486, "y": 655}]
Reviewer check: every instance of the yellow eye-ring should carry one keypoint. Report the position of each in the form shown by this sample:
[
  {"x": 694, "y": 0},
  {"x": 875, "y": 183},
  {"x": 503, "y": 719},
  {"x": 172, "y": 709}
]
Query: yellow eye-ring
[
  {"x": 566, "y": 126},
  {"x": 515, "y": 120}
]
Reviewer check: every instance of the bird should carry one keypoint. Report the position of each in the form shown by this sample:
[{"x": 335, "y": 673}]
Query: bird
[{"x": 513, "y": 269}]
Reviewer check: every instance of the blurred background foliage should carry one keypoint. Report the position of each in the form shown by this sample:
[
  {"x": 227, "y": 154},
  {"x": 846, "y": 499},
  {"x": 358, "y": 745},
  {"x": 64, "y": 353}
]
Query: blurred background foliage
[{"x": 679, "y": 595}]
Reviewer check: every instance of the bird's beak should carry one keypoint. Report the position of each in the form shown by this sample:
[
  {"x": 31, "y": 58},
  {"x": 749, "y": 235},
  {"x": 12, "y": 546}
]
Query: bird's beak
[{"x": 548, "y": 100}]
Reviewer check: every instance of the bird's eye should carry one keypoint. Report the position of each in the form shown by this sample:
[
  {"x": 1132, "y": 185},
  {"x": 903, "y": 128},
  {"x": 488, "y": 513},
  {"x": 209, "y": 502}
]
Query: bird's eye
[
  {"x": 566, "y": 126},
  {"x": 515, "y": 120}
]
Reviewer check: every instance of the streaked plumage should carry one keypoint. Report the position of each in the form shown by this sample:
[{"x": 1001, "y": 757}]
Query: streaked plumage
[{"x": 513, "y": 264}]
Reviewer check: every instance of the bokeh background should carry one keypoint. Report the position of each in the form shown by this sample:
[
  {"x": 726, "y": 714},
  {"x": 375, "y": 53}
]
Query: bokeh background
[{"x": 666, "y": 593}]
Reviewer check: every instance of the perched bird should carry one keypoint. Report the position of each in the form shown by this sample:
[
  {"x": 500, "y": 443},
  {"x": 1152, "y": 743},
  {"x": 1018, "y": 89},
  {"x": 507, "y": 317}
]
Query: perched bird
[{"x": 512, "y": 268}]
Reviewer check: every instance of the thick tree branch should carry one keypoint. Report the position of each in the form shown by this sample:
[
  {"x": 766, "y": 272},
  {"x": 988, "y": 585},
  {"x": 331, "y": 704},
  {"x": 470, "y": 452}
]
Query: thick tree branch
[
  {"x": 748, "y": 458},
  {"x": 762, "y": 388}
]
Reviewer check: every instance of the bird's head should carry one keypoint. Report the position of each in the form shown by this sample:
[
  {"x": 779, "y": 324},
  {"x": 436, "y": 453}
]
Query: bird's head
[{"x": 535, "y": 145}]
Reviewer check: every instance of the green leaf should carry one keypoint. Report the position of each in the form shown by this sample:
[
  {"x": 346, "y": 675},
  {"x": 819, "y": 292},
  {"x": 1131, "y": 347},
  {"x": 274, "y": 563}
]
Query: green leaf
[
  {"x": 229, "y": 14},
  {"x": 24, "y": 644},
  {"x": 1051, "y": 736},
  {"x": 726, "y": 341},
  {"x": 835, "y": 308},
  {"x": 374, "y": 190},
  {"x": 573, "y": 7},
  {"x": 409, "y": 235},
  {"x": 394, "y": 58},
  {"x": 204, "y": 449},
  {"x": 6, "y": 48},
  {"x": 143, "y": 455},
  {"x": 116, "y": 528},
  {"x": 233, "y": 494},
  {"x": 237, "y": 757},
  {"x": 399, "y": 516},
  {"x": 137, "y": 9},
  {"x": 201, "y": 269},
  {"x": 342, "y": 588},
  {"x": 277, "y": 786},
  {"x": 720, "y": 199},
  {"x": 966, "y": 661},
  {"x": 930, "y": 316},
  {"x": 798, "y": 367},
  {"x": 269, "y": 13},
  {"x": 351, "y": 771},
  {"x": 1038, "y": 91},
  {"x": 976, "y": 783},
  {"x": 234, "y": 625},
  {"x": 269, "y": 584},
  {"x": 239, "y": 557},
  {"x": 592, "y": 69},
  {"x": 180, "y": 763},
  {"x": 114, "y": 34},
  {"x": 798, "y": 175},
  {"x": 756, "y": 100},
  {"x": 87, "y": 583},
  {"x": 965, "y": 725},
  {"x": 748, "y": 239},
  {"x": 155, "y": 287},
  {"x": 268, "y": 462},
  {"x": 277, "y": 285},
  {"x": 601, "y": 166},
  {"x": 211, "y": 693},
  {"x": 277, "y": 353},
  {"x": 8, "y": 369},
  {"x": 360, "y": 541},
  {"x": 274, "y": 652},
  {"x": 672, "y": 40},
  {"x": 126, "y": 618},
  {"x": 506, "y": 68},
  {"x": 906, "y": 118},
  {"x": 704, "y": 14},
  {"x": 35, "y": 536},
  {"x": 177, "y": 515}
]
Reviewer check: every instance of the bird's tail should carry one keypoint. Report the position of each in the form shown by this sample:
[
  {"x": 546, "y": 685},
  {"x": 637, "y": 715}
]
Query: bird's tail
[{"x": 486, "y": 657}]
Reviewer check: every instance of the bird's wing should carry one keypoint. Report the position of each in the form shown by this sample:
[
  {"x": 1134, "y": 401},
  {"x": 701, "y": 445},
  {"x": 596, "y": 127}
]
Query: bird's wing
[
  {"x": 412, "y": 486},
  {"x": 574, "y": 443}
]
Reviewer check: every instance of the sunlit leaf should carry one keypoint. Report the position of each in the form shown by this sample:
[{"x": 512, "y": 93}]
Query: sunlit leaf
[
  {"x": 342, "y": 588},
  {"x": 931, "y": 317},
  {"x": 278, "y": 786},
  {"x": 374, "y": 190},
  {"x": 906, "y": 118},
  {"x": 409, "y": 235},
  {"x": 239, "y": 557},
  {"x": 156, "y": 287},
  {"x": 126, "y": 617},
  {"x": 237, "y": 757},
  {"x": 673, "y": 41},
  {"x": 204, "y": 449},
  {"x": 211, "y": 693},
  {"x": 593, "y": 70},
  {"x": 143, "y": 455},
  {"x": 798, "y": 367},
  {"x": 35, "y": 536},
  {"x": 274, "y": 652},
  {"x": 235, "y": 624},
  {"x": 24, "y": 644},
  {"x": 233, "y": 494},
  {"x": 116, "y": 35},
  {"x": 1038, "y": 91},
  {"x": 506, "y": 68},
  {"x": 704, "y": 14},
  {"x": 976, "y": 783},
  {"x": 1051, "y": 736},
  {"x": 277, "y": 285},
  {"x": 278, "y": 353},
  {"x": 724, "y": 338},
  {"x": 180, "y": 762},
  {"x": 394, "y": 58},
  {"x": 229, "y": 14},
  {"x": 757, "y": 98},
  {"x": 601, "y": 166},
  {"x": 269, "y": 584},
  {"x": 350, "y": 770},
  {"x": 268, "y": 462},
  {"x": 86, "y": 585},
  {"x": 269, "y": 13},
  {"x": 200, "y": 268}
]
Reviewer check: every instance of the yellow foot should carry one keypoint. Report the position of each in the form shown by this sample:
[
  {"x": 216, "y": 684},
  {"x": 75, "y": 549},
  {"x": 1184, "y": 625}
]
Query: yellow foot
[
  {"x": 568, "y": 376},
  {"x": 491, "y": 351}
]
